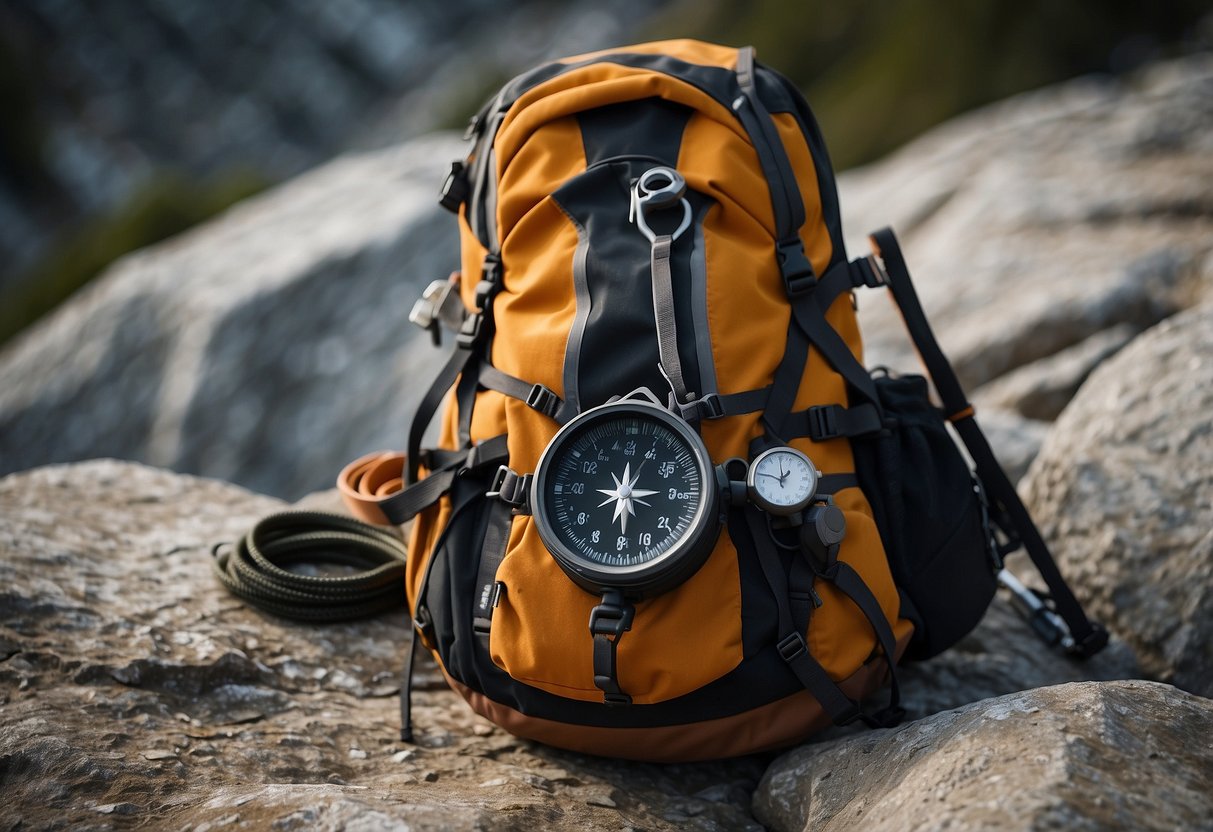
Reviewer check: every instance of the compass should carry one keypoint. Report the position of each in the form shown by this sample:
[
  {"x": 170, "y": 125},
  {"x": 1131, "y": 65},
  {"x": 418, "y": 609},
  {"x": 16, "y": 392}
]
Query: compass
[
  {"x": 624, "y": 498},
  {"x": 782, "y": 481}
]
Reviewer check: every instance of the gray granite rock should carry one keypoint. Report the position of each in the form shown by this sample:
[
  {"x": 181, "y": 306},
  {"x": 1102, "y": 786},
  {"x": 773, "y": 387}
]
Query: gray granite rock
[
  {"x": 1123, "y": 488},
  {"x": 1014, "y": 438},
  {"x": 1033, "y": 224},
  {"x": 1097, "y": 755},
  {"x": 135, "y": 691},
  {"x": 1042, "y": 389},
  {"x": 267, "y": 348}
]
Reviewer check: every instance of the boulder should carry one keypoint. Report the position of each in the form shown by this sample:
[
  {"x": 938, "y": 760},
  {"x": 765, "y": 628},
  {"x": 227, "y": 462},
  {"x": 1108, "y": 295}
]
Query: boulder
[
  {"x": 1094, "y": 755},
  {"x": 1123, "y": 488},
  {"x": 1042, "y": 389},
  {"x": 135, "y": 690},
  {"x": 1036, "y": 223},
  {"x": 268, "y": 347}
]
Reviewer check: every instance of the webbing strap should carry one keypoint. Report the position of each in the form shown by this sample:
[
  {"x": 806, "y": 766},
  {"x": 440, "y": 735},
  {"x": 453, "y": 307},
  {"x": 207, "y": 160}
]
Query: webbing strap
[
  {"x": 848, "y": 581},
  {"x": 809, "y": 315},
  {"x": 785, "y": 195},
  {"x": 663, "y": 310},
  {"x": 792, "y": 646},
  {"x": 492, "y": 553},
  {"x": 808, "y": 324},
  {"x": 402, "y": 505},
  {"x": 1089, "y": 637},
  {"x": 823, "y": 422},
  {"x": 538, "y": 397},
  {"x": 428, "y": 406}
]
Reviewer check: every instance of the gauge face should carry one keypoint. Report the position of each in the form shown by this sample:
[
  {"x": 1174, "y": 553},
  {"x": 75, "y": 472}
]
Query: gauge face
[
  {"x": 782, "y": 480},
  {"x": 621, "y": 496}
]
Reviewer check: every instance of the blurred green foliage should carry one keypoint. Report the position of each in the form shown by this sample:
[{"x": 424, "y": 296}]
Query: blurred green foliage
[
  {"x": 166, "y": 205},
  {"x": 879, "y": 72}
]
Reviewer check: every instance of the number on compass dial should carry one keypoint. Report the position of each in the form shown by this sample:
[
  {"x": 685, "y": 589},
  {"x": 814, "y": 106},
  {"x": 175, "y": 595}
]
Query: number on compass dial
[{"x": 624, "y": 491}]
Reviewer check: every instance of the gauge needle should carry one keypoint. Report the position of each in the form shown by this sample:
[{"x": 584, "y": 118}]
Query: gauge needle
[{"x": 625, "y": 493}]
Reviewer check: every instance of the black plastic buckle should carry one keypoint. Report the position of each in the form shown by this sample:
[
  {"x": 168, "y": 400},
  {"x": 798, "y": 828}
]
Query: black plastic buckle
[
  {"x": 542, "y": 399},
  {"x": 614, "y": 700},
  {"x": 486, "y": 290},
  {"x": 791, "y": 646},
  {"x": 455, "y": 188},
  {"x": 867, "y": 271},
  {"x": 710, "y": 406},
  {"x": 823, "y": 422},
  {"x": 490, "y": 270},
  {"x": 1092, "y": 643},
  {"x": 797, "y": 271},
  {"x": 609, "y": 619},
  {"x": 424, "y": 624},
  {"x": 469, "y": 333}
]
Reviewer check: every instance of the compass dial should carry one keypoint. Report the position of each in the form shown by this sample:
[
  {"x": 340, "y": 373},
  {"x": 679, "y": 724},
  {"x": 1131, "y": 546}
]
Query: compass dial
[
  {"x": 782, "y": 480},
  {"x": 624, "y": 498}
]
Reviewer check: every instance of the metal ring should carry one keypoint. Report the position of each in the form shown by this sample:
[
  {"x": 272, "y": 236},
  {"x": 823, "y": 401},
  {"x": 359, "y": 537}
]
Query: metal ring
[{"x": 643, "y": 224}]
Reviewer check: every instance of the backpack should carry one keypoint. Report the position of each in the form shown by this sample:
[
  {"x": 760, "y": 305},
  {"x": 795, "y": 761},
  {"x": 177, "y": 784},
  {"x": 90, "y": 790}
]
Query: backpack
[{"x": 670, "y": 514}]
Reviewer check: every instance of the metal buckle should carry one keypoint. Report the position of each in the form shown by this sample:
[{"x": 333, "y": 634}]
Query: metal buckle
[{"x": 499, "y": 477}]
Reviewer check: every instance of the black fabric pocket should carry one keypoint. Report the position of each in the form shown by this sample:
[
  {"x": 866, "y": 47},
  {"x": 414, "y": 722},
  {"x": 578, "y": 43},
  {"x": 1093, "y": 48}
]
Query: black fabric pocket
[{"x": 930, "y": 514}]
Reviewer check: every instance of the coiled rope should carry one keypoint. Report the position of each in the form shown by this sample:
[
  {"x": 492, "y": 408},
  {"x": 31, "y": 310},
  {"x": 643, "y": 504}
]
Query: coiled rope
[{"x": 253, "y": 568}]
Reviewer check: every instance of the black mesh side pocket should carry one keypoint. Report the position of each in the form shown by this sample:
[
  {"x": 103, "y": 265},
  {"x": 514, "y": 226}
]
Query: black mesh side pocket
[{"x": 930, "y": 515}]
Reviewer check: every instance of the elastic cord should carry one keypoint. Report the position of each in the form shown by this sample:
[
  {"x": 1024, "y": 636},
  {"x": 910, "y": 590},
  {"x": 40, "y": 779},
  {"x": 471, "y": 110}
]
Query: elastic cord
[{"x": 253, "y": 568}]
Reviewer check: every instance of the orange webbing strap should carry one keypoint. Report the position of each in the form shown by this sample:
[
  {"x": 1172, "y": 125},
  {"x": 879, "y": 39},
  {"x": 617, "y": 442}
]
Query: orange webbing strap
[
  {"x": 372, "y": 486},
  {"x": 1088, "y": 638},
  {"x": 367, "y": 480}
]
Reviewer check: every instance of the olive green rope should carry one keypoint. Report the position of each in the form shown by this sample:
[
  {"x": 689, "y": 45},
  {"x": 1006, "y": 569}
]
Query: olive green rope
[{"x": 253, "y": 568}]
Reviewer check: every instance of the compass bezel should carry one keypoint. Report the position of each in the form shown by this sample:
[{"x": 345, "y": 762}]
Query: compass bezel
[{"x": 646, "y": 578}]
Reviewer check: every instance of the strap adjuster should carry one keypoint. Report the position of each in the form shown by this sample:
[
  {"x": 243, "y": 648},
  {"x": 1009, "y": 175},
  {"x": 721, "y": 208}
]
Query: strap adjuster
[
  {"x": 544, "y": 400},
  {"x": 510, "y": 488},
  {"x": 469, "y": 333},
  {"x": 868, "y": 271},
  {"x": 823, "y": 422},
  {"x": 455, "y": 188},
  {"x": 1091, "y": 643},
  {"x": 791, "y": 646},
  {"x": 708, "y": 406},
  {"x": 794, "y": 266},
  {"x": 485, "y": 291},
  {"x": 611, "y": 620}
]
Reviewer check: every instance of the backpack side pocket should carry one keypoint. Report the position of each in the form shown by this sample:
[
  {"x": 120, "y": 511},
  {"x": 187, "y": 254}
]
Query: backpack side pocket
[{"x": 930, "y": 512}]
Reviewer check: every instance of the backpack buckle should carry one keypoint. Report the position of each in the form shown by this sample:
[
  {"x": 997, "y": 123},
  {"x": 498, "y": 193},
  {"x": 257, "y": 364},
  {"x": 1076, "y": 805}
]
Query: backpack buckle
[
  {"x": 455, "y": 188},
  {"x": 469, "y": 332},
  {"x": 791, "y": 646},
  {"x": 511, "y": 488},
  {"x": 544, "y": 400},
  {"x": 794, "y": 266},
  {"x": 823, "y": 423},
  {"x": 609, "y": 619}
]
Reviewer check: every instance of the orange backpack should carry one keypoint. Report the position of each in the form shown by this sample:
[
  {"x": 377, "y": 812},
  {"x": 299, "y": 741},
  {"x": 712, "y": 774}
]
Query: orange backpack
[{"x": 670, "y": 515}]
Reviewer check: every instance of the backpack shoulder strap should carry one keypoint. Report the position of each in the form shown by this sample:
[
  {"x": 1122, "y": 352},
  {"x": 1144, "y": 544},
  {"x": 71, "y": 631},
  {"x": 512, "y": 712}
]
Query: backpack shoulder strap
[{"x": 1088, "y": 637}]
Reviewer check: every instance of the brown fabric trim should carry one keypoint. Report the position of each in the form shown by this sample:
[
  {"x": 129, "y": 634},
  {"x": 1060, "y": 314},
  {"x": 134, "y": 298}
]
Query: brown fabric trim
[{"x": 776, "y": 725}]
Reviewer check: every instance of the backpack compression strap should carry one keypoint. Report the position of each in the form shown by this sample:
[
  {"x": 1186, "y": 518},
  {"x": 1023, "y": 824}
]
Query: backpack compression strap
[{"x": 1089, "y": 638}]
